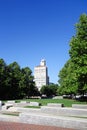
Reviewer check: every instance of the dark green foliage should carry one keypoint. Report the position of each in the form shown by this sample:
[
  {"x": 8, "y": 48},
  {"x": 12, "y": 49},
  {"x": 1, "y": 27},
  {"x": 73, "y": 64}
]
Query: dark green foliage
[
  {"x": 49, "y": 90},
  {"x": 2, "y": 77},
  {"x": 16, "y": 82}
]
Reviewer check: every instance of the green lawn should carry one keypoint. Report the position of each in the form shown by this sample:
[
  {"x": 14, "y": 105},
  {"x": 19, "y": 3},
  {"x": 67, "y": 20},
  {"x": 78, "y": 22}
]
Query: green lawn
[
  {"x": 11, "y": 113},
  {"x": 43, "y": 102}
]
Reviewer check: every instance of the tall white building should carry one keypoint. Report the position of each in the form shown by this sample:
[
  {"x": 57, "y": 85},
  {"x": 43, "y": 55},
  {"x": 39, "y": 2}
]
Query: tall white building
[{"x": 41, "y": 75}]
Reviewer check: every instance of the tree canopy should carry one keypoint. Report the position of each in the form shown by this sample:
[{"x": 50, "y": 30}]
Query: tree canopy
[
  {"x": 16, "y": 82},
  {"x": 49, "y": 90},
  {"x": 73, "y": 76}
]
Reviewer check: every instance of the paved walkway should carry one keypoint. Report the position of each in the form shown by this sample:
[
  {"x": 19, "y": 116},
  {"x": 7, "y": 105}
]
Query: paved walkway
[{"x": 22, "y": 126}]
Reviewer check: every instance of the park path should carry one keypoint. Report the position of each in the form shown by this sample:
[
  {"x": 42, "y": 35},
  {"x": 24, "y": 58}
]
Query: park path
[{"x": 22, "y": 126}]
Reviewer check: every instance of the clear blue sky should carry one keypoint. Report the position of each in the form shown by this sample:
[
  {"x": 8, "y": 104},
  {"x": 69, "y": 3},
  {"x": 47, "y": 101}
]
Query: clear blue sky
[{"x": 34, "y": 29}]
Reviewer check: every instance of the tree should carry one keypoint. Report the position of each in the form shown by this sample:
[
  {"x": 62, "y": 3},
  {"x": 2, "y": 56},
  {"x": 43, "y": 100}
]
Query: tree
[
  {"x": 67, "y": 79},
  {"x": 78, "y": 54},
  {"x": 2, "y": 77},
  {"x": 49, "y": 90},
  {"x": 14, "y": 73},
  {"x": 27, "y": 85},
  {"x": 73, "y": 76},
  {"x": 16, "y": 82}
]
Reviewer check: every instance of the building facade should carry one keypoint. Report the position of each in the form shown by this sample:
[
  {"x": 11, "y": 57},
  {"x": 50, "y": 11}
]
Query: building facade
[{"x": 41, "y": 75}]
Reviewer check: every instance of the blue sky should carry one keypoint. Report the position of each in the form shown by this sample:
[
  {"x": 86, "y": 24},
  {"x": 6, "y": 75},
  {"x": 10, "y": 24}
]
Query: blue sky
[{"x": 31, "y": 30}]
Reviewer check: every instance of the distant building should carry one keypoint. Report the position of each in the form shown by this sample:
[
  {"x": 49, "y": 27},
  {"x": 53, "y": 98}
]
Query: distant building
[{"x": 41, "y": 75}]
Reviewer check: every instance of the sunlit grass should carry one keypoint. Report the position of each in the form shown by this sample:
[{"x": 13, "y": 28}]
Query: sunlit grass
[{"x": 43, "y": 102}]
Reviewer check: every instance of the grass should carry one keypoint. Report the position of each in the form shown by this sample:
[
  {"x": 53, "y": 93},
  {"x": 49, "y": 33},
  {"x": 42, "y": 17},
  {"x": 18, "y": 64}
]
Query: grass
[
  {"x": 11, "y": 113},
  {"x": 43, "y": 102},
  {"x": 32, "y": 107},
  {"x": 79, "y": 117}
]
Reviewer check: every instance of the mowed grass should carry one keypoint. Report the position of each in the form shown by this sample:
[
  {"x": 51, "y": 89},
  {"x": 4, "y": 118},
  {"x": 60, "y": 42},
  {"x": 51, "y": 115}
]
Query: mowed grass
[{"x": 43, "y": 102}]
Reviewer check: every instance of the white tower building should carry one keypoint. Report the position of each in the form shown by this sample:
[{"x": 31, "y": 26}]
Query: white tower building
[{"x": 41, "y": 75}]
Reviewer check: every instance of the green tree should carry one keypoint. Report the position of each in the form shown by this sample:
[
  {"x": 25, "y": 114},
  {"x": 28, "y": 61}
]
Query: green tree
[
  {"x": 14, "y": 74},
  {"x": 78, "y": 54},
  {"x": 2, "y": 78},
  {"x": 67, "y": 79},
  {"x": 49, "y": 90},
  {"x": 27, "y": 85},
  {"x": 16, "y": 82},
  {"x": 73, "y": 76}
]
